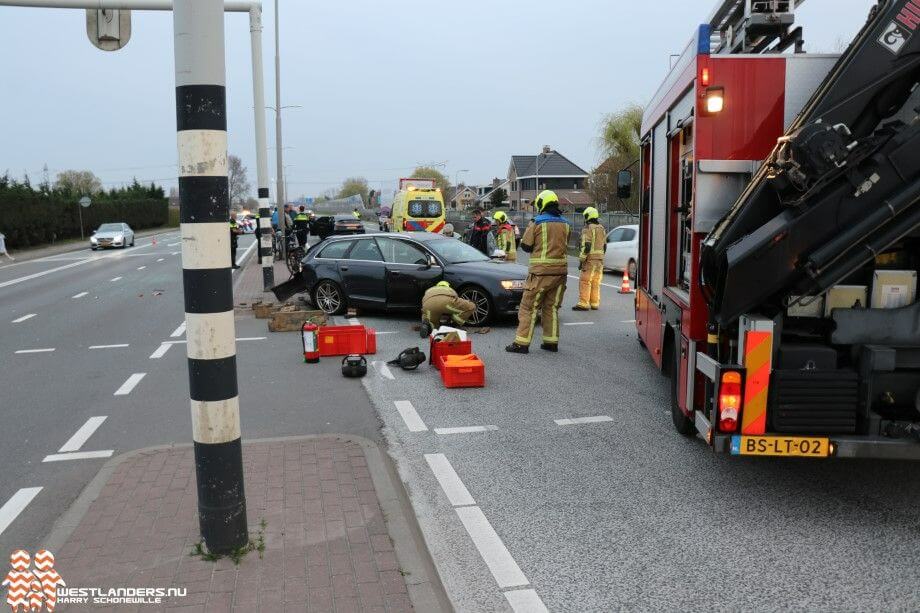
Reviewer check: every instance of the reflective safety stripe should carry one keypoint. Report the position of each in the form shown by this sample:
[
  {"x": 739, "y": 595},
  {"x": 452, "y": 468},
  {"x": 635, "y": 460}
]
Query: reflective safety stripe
[
  {"x": 553, "y": 336},
  {"x": 537, "y": 301},
  {"x": 758, "y": 353},
  {"x": 544, "y": 234}
]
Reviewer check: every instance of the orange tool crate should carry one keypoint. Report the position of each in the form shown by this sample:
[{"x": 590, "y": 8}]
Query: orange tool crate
[
  {"x": 437, "y": 349},
  {"x": 346, "y": 340},
  {"x": 463, "y": 371}
]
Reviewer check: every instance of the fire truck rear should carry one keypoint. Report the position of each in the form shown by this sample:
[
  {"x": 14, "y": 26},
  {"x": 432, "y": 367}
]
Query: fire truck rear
[{"x": 780, "y": 235}]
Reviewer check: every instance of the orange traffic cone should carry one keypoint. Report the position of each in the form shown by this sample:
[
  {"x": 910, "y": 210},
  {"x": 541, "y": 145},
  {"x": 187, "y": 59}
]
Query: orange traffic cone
[{"x": 624, "y": 286}]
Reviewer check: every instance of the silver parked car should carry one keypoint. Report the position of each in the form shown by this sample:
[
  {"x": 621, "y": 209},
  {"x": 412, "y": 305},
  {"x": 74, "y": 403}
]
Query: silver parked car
[{"x": 112, "y": 235}]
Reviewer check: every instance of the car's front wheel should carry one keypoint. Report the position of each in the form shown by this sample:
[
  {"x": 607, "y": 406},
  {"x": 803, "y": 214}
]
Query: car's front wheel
[
  {"x": 483, "y": 302},
  {"x": 329, "y": 297}
]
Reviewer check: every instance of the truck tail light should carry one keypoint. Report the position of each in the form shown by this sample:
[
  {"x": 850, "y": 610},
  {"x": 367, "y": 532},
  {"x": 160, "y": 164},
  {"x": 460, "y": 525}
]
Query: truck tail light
[
  {"x": 715, "y": 100},
  {"x": 729, "y": 400}
]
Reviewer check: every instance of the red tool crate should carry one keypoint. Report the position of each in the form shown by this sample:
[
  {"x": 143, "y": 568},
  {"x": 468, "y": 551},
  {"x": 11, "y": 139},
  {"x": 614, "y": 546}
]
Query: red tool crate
[
  {"x": 462, "y": 371},
  {"x": 346, "y": 340},
  {"x": 437, "y": 349}
]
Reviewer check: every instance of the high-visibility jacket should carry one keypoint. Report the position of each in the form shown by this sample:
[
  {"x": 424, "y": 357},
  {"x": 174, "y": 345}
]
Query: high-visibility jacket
[
  {"x": 356, "y": 214},
  {"x": 593, "y": 241},
  {"x": 506, "y": 240},
  {"x": 546, "y": 240},
  {"x": 234, "y": 231},
  {"x": 302, "y": 221}
]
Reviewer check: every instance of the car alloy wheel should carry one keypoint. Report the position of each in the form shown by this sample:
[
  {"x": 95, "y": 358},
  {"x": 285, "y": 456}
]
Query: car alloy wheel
[
  {"x": 328, "y": 298},
  {"x": 483, "y": 305}
]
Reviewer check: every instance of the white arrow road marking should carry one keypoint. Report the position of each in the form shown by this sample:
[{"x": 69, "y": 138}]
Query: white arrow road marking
[
  {"x": 23, "y": 318},
  {"x": 16, "y": 505},
  {"x": 82, "y": 435},
  {"x": 410, "y": 416},
  {"x": 130, "y": 384}
]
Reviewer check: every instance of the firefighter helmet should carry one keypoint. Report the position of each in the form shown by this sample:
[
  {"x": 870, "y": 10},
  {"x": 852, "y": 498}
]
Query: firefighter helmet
[
  {"x": 500, "y": 216},
  {"x": 546, "y": 198},
  {"x": 590, "y": 213}
]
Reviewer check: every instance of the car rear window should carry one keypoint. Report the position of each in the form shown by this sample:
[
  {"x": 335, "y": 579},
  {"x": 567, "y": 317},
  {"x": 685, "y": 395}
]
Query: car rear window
[
  {"x": 424, "y": 208},
  {"x": 335, "y": 251}
]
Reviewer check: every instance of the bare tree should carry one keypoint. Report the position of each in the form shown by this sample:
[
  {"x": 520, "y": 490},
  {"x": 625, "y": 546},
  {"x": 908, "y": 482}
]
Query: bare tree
[
  {"x": 239, "y": 183},
  {"x": 78, "y": 182}
]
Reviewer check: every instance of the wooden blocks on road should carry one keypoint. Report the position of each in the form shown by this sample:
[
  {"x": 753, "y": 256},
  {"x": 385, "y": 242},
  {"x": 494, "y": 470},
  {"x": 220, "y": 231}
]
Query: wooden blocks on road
[{"x": 292, "y": 321}]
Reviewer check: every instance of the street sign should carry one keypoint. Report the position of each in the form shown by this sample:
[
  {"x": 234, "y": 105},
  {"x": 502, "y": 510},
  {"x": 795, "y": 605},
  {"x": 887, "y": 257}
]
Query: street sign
[
  {"x": 108, "y": 29},
  {"x": 85, "y": 202}
]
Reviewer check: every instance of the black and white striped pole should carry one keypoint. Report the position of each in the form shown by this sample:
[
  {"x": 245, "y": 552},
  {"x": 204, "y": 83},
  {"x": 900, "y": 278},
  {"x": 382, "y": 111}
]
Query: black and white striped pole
[
  {"x": 258, "y": 90},
  {"x": 201, "y": 119}
]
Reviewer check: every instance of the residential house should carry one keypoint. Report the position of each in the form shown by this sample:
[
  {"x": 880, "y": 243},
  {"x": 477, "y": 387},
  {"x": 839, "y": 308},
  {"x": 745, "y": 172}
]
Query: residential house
[
  {"x": 528, "y": 175},
  {"x": 464, "y": 197}
]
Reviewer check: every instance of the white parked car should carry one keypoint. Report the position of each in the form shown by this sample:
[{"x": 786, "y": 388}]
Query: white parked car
[
  {"x": 622, "y": 249},
  {"x": 112, "y": 235}
]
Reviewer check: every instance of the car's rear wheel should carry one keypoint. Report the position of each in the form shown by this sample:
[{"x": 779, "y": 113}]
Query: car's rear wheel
[
  {"x": 683, "y": 424},
  {"x": 479, "y": 297},
  {"x": 329, "y": 297}
]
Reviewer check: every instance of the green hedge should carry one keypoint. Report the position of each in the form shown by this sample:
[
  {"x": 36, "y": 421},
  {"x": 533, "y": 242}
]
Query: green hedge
[{"x": 29, "y": 218}]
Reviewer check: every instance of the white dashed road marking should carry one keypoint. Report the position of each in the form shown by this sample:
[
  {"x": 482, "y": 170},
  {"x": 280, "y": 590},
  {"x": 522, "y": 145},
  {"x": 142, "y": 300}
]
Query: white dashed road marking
[
  {"x": 172, "y": 244},
  {"x": 387, "y": 332},
  {"x": 493, "y": 551},
  {"x": 251, "y": 338},
  {"x": 383, "y": 370},
  {"x": 465, "y": 429},
  {"x": 108, "y": 346},
  {"x": 178, "y": 331},
  {"x": 23, "y": 318},
  {"x": 603, "y": 284},
  {"x": 82, "y": 435},
  {"x": 453, "y": 487},
  {"x": 628, "y": 321},
  {"x": 525, "y": 601},
  {"x": 114, "y": 279},
  {"x": 141, "y": 267},
  {"x": 583, "y": 420},
  {"x": 410, "y": 416},
  {"x": 49, "y": 350},
  {"x": 579, "y": 323},
  {"x": 78, "y": 455},
  {"x": 130, "y": 384},
  {"x": 16, "y": 505},
  {"x": 80, "y": 295},
  {"x": 161, "y": 351},
  {"x": 161, "y": 259}
]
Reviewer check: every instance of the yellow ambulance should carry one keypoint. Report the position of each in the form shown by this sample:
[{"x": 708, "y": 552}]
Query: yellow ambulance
[{"x": 418, "y": 207}]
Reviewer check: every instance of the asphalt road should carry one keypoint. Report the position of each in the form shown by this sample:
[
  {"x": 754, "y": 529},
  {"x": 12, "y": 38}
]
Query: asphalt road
[
  {"x": 113, "y": 321},
  {"x": 519, "y": 510},
  {"x": 625, "y": 514}
]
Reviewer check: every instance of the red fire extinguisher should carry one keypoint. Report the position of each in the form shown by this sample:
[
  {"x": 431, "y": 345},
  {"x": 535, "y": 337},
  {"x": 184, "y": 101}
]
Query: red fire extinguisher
[{"x": 310, "y": 334}]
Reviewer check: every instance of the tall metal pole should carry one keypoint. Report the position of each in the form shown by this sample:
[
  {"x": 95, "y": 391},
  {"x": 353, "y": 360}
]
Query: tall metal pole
[
  {"x": 279, "y": 190},
  {"x": 201, "y": 117},
  {"x": 264, "y": 228}
]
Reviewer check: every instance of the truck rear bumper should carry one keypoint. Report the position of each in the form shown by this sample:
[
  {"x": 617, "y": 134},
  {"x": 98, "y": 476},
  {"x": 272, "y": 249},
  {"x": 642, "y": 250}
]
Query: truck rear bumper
[{"x": 851, "y": 447}]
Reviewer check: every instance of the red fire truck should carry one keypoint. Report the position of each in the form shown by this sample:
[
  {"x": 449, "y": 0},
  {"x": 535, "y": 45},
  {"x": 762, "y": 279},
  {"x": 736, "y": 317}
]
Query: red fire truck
[{"x": 780, "y": 235}]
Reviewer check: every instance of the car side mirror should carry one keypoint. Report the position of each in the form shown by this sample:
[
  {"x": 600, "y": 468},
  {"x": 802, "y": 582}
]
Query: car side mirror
[
  {"x": 432, "y": 261},
  {"x": 624, "y": 184}
]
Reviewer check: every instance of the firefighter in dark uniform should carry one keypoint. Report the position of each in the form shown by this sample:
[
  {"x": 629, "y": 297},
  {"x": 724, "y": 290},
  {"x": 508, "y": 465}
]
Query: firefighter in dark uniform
[
  {"x": 302, "y": 226},
  {"x": 546, "y": 240},
  {"x": 235, "y": 232}
]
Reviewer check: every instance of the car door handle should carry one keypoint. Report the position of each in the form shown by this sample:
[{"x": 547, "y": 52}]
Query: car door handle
[{"x": 343, "y": 267}]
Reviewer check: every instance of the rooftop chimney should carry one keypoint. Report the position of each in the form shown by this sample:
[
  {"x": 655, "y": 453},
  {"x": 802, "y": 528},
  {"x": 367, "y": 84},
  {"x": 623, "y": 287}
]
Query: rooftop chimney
[{"x": 547, "y": 149}]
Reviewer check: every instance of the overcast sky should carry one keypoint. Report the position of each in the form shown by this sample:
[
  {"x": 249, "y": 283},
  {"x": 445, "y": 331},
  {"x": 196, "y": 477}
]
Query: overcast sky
[{"x": 383, "y": 85}]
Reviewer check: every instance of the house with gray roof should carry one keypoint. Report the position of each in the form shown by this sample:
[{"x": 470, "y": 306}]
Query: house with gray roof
[{"x": 528, "y": 175}]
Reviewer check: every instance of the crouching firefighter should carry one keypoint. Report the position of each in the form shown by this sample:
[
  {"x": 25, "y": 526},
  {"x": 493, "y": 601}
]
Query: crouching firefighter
[
  {"x": 545, "y": 240},
  {"x": 593, "y": 246},
  {"x": 505, "y": 240},
  {"x": 441, "y": 303}
]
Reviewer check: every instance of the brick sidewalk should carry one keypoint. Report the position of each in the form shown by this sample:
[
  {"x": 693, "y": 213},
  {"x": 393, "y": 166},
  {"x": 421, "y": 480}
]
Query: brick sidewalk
[
  {"x": 248, "y": 289},
  {"x": 327, "y": 545}
]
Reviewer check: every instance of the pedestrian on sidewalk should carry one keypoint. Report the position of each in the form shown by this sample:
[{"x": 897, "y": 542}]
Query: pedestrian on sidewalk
[
  {"x": 235, "y": 232},
  {"x": 591, "y": 257},
  {"x": 546, "y": 240}
]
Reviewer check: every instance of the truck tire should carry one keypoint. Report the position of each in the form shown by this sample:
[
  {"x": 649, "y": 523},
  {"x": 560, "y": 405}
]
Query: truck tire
[{"x": 683, "y": 424}]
